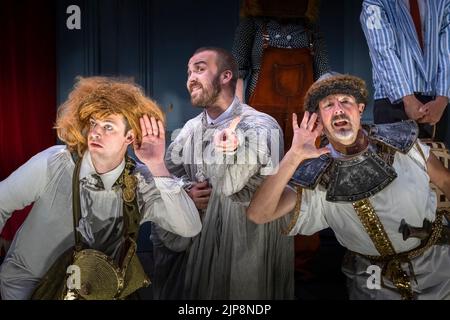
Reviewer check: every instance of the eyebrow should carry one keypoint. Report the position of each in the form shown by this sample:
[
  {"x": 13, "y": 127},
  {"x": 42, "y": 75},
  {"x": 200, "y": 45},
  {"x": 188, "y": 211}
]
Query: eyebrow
[
  {"x": 108, "y": 120},
  {"x": 198, "y": 62}
]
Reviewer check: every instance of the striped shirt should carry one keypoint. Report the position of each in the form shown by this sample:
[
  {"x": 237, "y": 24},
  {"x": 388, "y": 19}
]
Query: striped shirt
[{"x": 400, "y": 67}]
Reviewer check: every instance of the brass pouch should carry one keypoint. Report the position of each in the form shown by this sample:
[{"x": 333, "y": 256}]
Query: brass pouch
[{"x": 102, "y": 279}]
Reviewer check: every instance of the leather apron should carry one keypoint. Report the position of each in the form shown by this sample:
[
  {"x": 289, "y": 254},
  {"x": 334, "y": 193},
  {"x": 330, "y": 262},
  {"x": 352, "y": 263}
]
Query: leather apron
[{"x": 284, "y": 78}]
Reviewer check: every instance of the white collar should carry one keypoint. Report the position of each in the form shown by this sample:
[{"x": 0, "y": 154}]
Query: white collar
[
  {"x": 222, "y": 116},
  {"x": 108, "y": 178}
]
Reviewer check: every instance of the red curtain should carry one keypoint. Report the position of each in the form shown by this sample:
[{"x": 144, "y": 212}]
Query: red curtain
[{"x": 27, "y": 86}]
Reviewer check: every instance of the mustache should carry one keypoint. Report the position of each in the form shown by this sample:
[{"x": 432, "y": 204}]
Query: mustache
[
  {"x": 340, "y": 117},
  {"x": 195, "y": 84}
]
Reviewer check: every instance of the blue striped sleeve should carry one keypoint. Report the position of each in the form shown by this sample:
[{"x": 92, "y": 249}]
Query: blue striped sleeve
[
  {"x": 443, "y": 77},
  {"x": 383, "y": 51}
]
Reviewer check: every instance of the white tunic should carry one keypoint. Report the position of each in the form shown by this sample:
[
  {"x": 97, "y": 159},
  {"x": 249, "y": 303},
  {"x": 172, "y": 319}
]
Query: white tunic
[
  {"x": 232, "y": 258},
  {"x": 408, "y": 197},
  {"x": 46, "y": 180}
]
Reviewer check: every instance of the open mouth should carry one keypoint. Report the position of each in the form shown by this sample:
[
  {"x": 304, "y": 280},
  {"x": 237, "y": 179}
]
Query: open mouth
[
  {"x": 341, "y": 123},
  {"x": 195, "y": 88}
]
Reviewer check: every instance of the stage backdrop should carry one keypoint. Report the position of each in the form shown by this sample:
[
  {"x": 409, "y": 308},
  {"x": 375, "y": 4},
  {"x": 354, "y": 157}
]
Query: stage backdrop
[{"x": 27, "y": 86}]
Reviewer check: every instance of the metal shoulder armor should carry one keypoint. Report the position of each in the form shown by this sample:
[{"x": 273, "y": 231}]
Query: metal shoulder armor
[
  {"x": 310, "y": 171},
  {"x": 400, "y": 136}
]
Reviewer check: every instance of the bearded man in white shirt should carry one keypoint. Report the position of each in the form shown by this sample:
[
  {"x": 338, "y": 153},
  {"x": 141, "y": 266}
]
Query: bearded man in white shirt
[{"x": 370, "y": 184}]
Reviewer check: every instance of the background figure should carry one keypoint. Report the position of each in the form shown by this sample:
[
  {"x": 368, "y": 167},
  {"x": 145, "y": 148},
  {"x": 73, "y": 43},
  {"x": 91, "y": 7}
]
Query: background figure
[
  {"x": 409, "y": 47},
  {"x": 280, "y": 53}
]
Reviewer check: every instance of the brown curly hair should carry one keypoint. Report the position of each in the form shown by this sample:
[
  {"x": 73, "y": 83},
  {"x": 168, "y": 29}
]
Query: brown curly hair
[
  {"x": 100, "y": 97},
  {"x": 340, "y": 84}
]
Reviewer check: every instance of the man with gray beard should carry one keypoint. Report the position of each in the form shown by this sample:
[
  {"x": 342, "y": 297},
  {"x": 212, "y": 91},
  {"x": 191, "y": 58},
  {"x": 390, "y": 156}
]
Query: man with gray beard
[{"x": 223, "y": 155}]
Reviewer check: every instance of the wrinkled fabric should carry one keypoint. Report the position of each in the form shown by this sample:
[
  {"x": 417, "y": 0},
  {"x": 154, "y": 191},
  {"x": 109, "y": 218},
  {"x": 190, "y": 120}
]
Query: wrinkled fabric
[
  {"x": 233, "y": 258},
  {"x": 408, "y": 197},
  {"x": 46, "y": 180},
  {"x": 431, "y": 270}
]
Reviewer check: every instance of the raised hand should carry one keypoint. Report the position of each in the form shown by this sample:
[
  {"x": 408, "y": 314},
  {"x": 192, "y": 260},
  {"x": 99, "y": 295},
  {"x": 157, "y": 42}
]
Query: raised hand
[
  {"x": 226, "y": 140},
  {"x": 305, "y": 135},
  {"x": 151, "y": 148}
]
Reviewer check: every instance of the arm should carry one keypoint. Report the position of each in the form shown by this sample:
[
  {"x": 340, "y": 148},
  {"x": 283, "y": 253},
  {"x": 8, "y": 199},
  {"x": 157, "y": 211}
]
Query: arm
[
  {"x": 253, "y": 149},
  {"x": 25, "y": 185},
  {"x": 273, "y": 200},
  {"x": 437, "y": 107},
  {"x": 321, "y": 65},
  {"x": 163, "y": 200},
  {"x": 439, "y": 175},
  {"x": 443, "y": 76},
  {"x": 242, "y": 51},
  {"x": 382, "y": 44}
]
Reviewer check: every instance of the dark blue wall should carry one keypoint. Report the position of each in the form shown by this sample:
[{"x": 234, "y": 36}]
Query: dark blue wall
[{"x": 151, "y": 41}]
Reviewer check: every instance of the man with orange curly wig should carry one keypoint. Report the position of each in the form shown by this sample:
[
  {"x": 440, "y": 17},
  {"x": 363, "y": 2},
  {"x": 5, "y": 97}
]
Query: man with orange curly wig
[{"x": 90, "y": 197}]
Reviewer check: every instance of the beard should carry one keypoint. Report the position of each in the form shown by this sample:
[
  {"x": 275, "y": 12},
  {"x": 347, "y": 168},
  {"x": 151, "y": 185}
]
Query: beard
[
  {"x": 343, "y": 135},
  {"x": 207, "y": 96}
]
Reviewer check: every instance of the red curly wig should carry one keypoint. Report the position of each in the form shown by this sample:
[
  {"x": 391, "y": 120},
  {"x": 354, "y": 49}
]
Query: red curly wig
[{"x": 100, "y": 97}]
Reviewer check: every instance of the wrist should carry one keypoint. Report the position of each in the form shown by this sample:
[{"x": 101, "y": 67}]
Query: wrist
[
  {"x": 442, "y": 100},
  {"x": 294, "y": 158},
  {"x": 158, "y": 169}
]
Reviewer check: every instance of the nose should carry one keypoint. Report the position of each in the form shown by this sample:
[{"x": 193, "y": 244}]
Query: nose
[
  {"x": 191, "y": 78},
  {"x": 95, "y": 132},
  {"x": 337, "y": 108}
]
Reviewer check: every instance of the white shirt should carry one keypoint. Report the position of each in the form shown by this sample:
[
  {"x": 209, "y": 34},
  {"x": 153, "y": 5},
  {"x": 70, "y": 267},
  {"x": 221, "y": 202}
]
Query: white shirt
[
  {"x": 46, "y": 180},
  {"x": 409, "y": 196},
  {"x": 223, "y": 116}
]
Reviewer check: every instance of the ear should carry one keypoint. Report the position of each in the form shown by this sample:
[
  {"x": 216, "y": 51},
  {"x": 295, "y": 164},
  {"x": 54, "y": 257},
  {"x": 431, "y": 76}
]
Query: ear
[
  {"x": 319, "y": 118},
  {"x": 129, "y": 137},
  {"x": 226, "y": 76},
  {"x": 361, "y": 107}
]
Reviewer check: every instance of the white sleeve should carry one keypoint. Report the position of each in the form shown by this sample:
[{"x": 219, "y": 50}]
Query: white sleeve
[
  {"x": 24, "y": 186},
  {"x": 419, "y": 153},
  {"x": 258, "y": 154},
  {"x": 164, "y": 201},
  {"x": 310, "y": 219}
]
